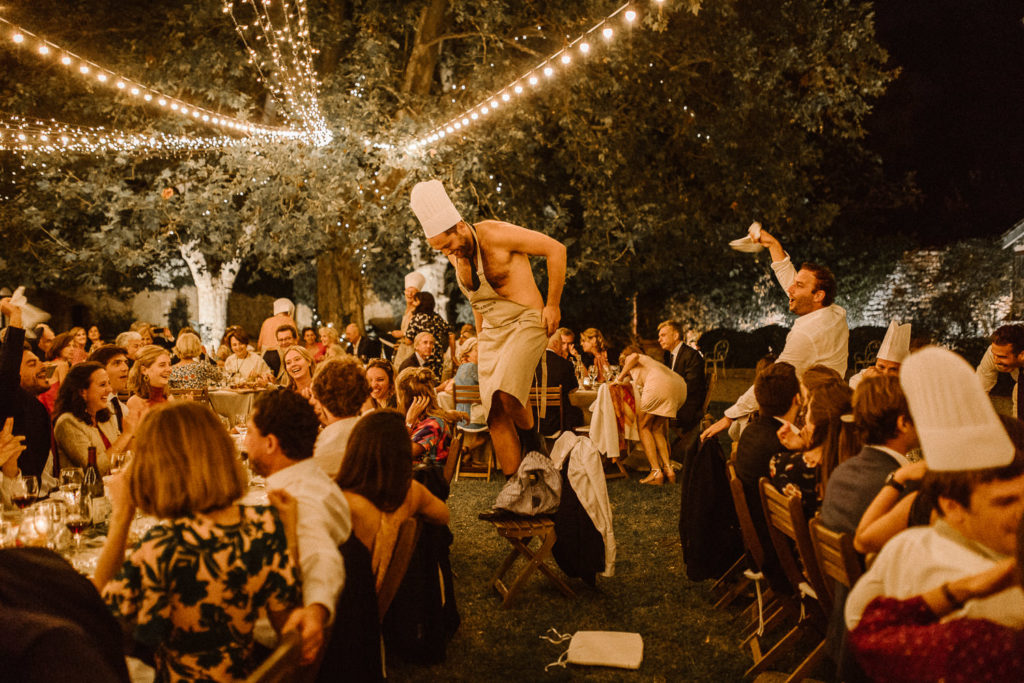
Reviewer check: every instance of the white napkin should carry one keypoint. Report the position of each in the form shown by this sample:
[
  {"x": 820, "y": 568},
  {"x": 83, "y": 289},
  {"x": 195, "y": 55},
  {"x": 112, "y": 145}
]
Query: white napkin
[{"x": 749, "y": 244}]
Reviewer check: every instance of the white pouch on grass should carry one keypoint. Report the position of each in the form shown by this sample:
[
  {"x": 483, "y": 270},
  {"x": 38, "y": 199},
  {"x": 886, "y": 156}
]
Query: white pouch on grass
[{"x": 599, "y": 648}]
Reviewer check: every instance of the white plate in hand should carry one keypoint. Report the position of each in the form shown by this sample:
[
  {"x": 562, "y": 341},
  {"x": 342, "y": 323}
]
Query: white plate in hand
[{"x": 746, "y": 245}]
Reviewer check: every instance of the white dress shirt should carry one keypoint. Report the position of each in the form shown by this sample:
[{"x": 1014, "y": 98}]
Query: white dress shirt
[
  {"x": 820, "y": 337},
  {"x": 330, "y": 446},
  {"x": 324, "y": 524},
  {"x": 988, "y": 374},
  {"x": 922, "y": 558},
  {"x": 245, "y": 369}
]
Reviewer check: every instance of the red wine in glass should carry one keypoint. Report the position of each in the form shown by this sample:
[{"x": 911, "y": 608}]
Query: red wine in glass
[
  {"x": 77, "y": 525},
  {"x": 23, "y": 501}
]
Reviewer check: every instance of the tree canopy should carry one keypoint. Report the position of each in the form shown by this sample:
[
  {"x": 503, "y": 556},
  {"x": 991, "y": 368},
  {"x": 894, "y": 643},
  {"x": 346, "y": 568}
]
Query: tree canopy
[{"x": 645, "y": 157}]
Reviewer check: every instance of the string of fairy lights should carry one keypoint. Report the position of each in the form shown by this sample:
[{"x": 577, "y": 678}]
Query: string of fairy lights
[
  {"x": 141, "y": 93},
  {"x": 285, "y": 63},
  {"x": 531, "y": 80}
]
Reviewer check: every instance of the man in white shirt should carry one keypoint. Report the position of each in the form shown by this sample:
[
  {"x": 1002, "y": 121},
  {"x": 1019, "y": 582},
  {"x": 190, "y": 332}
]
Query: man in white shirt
[
  {"x": 282, "y": 429},
  {"x": 1004, "y": 354},
  {"x": 819, "y": 336},
  {"x": 339, "y": 392}
]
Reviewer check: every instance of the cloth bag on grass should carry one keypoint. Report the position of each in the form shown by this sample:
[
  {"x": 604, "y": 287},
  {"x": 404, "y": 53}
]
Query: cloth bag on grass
[
  {"x": 535, "y": 489},
  {"x": 620, "y": 649}
]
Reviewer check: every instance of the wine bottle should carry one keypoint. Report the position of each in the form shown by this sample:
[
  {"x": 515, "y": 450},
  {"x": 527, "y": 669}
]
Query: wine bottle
[{"x": 92, "y": 483}]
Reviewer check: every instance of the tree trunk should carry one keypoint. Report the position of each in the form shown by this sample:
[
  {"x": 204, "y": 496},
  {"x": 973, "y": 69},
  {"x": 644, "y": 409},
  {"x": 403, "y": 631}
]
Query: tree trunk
[
  {"x": 212, "y": 292},
  {"x": 419, "y": 72},
  {"x": 339, "y": 287}
]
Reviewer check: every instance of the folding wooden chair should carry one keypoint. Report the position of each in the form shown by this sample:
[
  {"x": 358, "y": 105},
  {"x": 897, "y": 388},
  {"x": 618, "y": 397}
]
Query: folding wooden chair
[
  {"x": 787, "y": 527},
  {"x": 405, "y": 545},
  {"x": 551, "y": 397},
  {"x": 283, "y": 663},
  {"x": 519, "y": 533},
  {"x": 467, "y": 394},
  {"x": 836, "y": 556}
]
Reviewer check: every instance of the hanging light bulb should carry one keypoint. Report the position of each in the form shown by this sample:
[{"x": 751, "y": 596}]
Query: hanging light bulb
[{"x": 630, "y": 15}]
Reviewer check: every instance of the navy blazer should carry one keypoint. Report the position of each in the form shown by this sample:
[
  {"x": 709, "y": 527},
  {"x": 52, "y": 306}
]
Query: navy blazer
[{"x": 852, "y": 487}]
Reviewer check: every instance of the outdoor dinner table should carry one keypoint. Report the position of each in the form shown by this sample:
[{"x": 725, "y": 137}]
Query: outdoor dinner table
[{"x": 234, "y": 404}]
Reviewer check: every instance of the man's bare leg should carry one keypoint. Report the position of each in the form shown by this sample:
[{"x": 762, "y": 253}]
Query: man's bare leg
[{"x": 506, "y": 414}]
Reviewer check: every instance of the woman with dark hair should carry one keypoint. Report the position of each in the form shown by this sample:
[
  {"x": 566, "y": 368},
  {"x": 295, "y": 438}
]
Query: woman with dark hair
[
  {"x": 424, "y": 319},
  {"x": 380, "y": 375},
  {"x": 84, "y": 420},
  {"x": 94, "y": 339},
  {"x": 243, "y": 365},
  {"x": 311, "y": 342},
  {"x": 376, "y": 477},
  {"x": 60, "y": 356},
  {"x": 824, "y": 441}
]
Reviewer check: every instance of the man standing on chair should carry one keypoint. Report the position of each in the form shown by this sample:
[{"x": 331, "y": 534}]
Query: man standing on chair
[{"x": 492, "y": 267}]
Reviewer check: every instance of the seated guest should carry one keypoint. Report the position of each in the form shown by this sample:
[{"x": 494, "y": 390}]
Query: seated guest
[
  {"x": 914, "y": 639},
  {"x": 425, "y": 319},
  {"x": 466, "y": 332},
  {"x": 331, "y": 343},
  {"x": 22, "y": 379},
  {"x": 891, "y": 512},
  {"x": 147, "y": 380},
  {"x": 894, "y": 348},
  {"x": 468, "y": 374},
  {"x": 423, "y": 345},
  {"x": 287, "y": 336},
  {"x": 299, "y": 367},
  {"x": 814, "y": 451},
  {"x": 84, "y": 419},
  {"x": 243, "y": 365},
  {"x": 777, "y": 391},
  {"x": 311, "y": 342},
  {"x": 191, "y": 372},
  {"x": 381, "y": 376},
  {"x": 881, "y": 415},
  {"x": 95, "y": 339},
  {"x": 282, "y": 429},
  {"x": 114, "y": 360},
  {"x": 376, "y": 477},
  {"x": 688, "y": 364},
  {"x": 193, "y": 587},
  {"x": 79, "y": 340},
  {"x": 359, "y": 345},
  {"x": 131, "y": 342},
  {"x": 662, "y": 393},
  {"x": 1005, "y": 354},
  {"x": 339, "y": 391},
  {"x": 976, "y": 467},
  {"x": 60, "y": 356},
  {"x": 561, "y": 373},
  {"x": 592, "y": 342},
  {"x": 424, "y": 418}
]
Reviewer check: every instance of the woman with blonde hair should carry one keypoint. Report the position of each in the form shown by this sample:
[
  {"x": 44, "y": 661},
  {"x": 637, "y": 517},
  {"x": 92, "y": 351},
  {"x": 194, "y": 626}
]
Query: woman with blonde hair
[
  {"x": 299, "y": 368},
  {"x": 148, "y": 378},
  {"x": 191, "y": 372},
  {"x": 662, "y": 392},
  {"x": 193, "y": 587},
  {"x": 592, "y": 342},
  {"x": 424, "y": 418},
  {"x": 330, "y": 340},
  {"x": 80, "y": 341}
]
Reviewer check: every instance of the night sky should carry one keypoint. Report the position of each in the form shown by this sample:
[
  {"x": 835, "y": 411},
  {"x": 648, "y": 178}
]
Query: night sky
[{"x": 956, "y": 113}]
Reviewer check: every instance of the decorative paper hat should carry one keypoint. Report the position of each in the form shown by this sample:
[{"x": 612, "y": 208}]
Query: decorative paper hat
[
  {"x": 954, "y": 418},
  {"x": 415, "y": 280},
  {"x": 896, "y": 345},
  {"x": 433, "y": 208},
  {"x": 283, "y": 306}
]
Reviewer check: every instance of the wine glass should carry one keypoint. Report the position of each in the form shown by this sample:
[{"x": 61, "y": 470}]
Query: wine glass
[
  {"x": 78, "y": 519},
  {"x": 592, "y": 371},
  {"x": 71, "y": 483},
  {"x": 119, "y": 461},
  {"x": 25, "y": 490},
  {"x": 241, "y": 428}
]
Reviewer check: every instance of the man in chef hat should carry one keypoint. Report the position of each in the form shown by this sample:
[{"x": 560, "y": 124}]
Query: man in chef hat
[
  {"x": 891, "y": 353},
  {"x": 492, "y": 267},
  {"x": 414, "y": 283}
]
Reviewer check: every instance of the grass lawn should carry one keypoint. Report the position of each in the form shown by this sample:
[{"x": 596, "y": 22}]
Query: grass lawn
[{"x": 684, "y": 639}]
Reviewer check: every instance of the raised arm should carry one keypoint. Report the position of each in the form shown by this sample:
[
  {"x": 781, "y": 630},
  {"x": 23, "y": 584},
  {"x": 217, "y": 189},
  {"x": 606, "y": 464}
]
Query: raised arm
[{"x": 533, "y": 243}]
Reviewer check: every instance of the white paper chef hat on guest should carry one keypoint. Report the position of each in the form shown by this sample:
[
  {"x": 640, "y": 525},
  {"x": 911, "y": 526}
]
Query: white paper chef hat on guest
[
  {"x": 433, "y": 208},
  {"x": 415, "y": 280},
  {"x": 896, "y": 345},
  {"x": 954, "y": 418},
  {"x": 283, "y": 306}
]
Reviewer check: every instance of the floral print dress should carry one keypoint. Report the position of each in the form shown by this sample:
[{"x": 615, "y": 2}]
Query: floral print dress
[
  {"x": 192, "y": 590},
  {"x": 796, "y": 472}
]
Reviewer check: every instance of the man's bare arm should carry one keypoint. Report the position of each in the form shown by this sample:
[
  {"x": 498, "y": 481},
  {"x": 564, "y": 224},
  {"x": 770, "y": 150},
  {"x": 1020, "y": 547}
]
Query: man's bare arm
[{"x": 532, "y": 243}]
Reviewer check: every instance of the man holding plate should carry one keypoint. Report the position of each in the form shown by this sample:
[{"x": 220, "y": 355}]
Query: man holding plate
[{"x": 492, "y": 267}]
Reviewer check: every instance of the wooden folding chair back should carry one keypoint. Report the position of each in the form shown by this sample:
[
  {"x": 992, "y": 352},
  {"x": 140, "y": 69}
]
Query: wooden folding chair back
[
  {"x": 405, "y": 545},
  {"x": 710, "y": 381},
  {"x": 837, "y": 558},
  {"x": 282, "y": 664},
  {"x": 464, "y": 393},
  {"x": 750, "y": 538},
  {"x": 787, "y": 527},
  {"x": 552, "y": 398}
]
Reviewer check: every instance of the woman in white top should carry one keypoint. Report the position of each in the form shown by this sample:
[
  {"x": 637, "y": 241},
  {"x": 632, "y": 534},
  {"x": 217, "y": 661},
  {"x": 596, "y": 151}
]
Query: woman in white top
[
  {"x": 85, "y": 421},
  {"x": 243, "y": 365},
  {"x": 662, "y": 392}
]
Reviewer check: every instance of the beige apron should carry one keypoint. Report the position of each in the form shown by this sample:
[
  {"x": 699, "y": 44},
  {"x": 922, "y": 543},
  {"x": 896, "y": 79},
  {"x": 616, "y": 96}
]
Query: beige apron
[{"x": 510, "y": 343}]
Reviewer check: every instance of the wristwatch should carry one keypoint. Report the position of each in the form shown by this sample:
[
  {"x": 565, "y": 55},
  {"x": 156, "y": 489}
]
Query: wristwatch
[{"x": 891, "y": 481}]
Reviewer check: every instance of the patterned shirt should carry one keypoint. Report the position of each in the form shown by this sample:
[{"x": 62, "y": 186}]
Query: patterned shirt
[
  {"x": 192, "y": 589},
  {"x": 435, "y": 325},
  {"x": 193, "y": 375},
  {"x": 432, "y": 434},
  {"x": 793, "y": 473}
]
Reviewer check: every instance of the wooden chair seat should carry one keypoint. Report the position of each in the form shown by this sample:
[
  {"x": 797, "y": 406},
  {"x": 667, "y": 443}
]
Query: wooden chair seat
[
  {"x": 520, "y": 532},
  {"x": 282, "y": 664},
  {"x": 405, "y": 545},
  {"x": 455, "y": 467}
]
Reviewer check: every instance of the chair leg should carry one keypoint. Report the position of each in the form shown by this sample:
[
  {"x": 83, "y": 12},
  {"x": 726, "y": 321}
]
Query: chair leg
[
  {"x": 763, "y": 661},
  {"x": 807, "y": 666}
]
